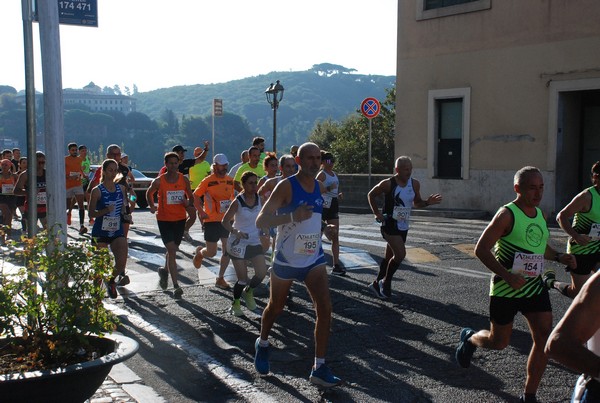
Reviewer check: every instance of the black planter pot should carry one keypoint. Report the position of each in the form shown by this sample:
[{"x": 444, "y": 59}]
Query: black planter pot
[{"x": 75, "y": 383}]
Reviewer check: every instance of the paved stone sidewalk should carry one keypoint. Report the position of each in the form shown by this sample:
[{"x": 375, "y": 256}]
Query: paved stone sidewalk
[{"x": 123, "y": 386}]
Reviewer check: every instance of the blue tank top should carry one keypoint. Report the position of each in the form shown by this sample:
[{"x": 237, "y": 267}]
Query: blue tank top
[
  {"x": 298, "y": 244},
  {"x": 109, "y": 225}
]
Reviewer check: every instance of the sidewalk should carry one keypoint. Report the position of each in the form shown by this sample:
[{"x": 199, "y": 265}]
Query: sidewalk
[{"x": 124, "y": 386}]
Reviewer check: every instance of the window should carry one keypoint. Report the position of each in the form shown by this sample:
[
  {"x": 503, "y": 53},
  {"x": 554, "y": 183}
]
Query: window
[
  {"x": 448, "y": 133},
  {"x": 431, "y": 4},
  {"x": 427, "y": 9}
]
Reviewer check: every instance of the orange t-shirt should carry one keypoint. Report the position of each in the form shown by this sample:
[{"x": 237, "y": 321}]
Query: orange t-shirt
[
  {"x": 218, "y": 194},
  {"x": 73, "y": 171},
  {"x": 7, "y": 186},
  {"x": 172, "y": 199}
]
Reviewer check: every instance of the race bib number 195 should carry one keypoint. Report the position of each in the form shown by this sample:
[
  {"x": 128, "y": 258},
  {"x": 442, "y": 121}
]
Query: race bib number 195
[{"x": 306, "y": 244}]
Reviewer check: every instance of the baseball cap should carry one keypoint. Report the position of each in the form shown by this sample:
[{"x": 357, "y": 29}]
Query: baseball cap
[
  {"x": 123, "y": 155},
  {"x": 220, "y": 159},
  {"x": 178, "y": 148},
  {"x": 198, "y": 151}
]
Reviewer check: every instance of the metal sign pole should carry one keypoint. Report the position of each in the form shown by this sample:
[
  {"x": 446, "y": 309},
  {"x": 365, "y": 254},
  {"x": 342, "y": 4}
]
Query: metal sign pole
[
  {"x": 370, "y": 131},
  {"x": 30, "y": 117}
]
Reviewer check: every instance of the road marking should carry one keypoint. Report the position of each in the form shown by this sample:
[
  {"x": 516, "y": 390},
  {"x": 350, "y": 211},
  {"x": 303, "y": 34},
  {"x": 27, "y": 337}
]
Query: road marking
[
  {"x": 456, "y": 270},
  {"x": 468, "y": 248},
  {"x": 225, "y": 374},
  {"x": 420, "y": 255}
]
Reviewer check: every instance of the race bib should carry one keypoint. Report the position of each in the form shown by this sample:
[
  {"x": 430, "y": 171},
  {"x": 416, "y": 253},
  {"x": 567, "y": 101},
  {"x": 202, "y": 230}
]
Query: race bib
[
  {"x": 74, "y": 175},
  {"x": 224, "y": 205},
  {"x": 175, "y": 196},
  {"x": 306, "y": 244},
  {"x": 40, "y": 198},
  {"x": 528, "y": 264},
  {"x": 594, "y": 229},
  {"x": 8, "y": 188},
  {"x": 111, "y": 224},
  {"x": 327, "y": 201},
  {"x": 236, "y": 248},
  {"x": 401, "y": 213}
]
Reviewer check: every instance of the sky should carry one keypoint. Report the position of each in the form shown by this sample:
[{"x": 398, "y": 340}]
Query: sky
[{"x": 159, "y": 44}]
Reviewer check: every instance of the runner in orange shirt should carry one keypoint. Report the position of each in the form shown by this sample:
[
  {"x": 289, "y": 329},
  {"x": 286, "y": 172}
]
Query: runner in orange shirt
[
  {"x": 174, "y": 196},
  {"x": 74, "y": 173},
  {"x": 218, "y": 192}
]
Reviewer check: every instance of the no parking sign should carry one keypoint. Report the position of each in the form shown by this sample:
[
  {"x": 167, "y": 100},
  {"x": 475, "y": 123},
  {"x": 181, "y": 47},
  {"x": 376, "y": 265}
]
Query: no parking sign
[{"x": 370, "y": 107}]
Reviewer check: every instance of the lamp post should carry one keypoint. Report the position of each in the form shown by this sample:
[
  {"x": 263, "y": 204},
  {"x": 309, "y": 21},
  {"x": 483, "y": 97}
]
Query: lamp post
[{"x": 274, "y": 95}]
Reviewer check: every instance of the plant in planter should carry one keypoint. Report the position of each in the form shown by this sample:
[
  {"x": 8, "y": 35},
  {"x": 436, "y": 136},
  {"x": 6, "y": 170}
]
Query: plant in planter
[{"x": 51, "y": 311}]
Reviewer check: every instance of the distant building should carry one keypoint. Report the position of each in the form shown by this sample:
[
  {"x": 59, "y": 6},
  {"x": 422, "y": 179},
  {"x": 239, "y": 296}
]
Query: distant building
[
  {"x": 485, "y": 87},
  {"x": 92, "y": 97},
  {"x": 97, "y": 100}
]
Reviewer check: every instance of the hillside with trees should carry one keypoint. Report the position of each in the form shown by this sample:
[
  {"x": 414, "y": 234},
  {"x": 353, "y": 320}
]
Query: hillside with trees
[{"x": 320, "y": 99}]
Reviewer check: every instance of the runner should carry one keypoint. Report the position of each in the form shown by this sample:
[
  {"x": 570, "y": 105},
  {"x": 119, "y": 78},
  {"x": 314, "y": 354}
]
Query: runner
[
  {"x": 41, "y": 200},
  {"x": 270, "y": 168},
  {"x": 253, "y": 165},
  {"x": 288, "y": 167},
  {"x": 243, "y": 159},
  {"x": 212, "y": 199},
  {"x": 197, "y": 173},
  {"x": 74, "y": 175},
  {"x": 107, "y": 203},
  {"x": 295, "y": 206},
  {"x": 584, "y": 235},
  {"x": 20, "y": 200},
  {"x": 244, "y": 243},
  {"x": 8, "y": 179},
  {"x": 174, "y": 196},
  {"x": 331, "y": 207},
  {"x": 518, "y": 235},
  {"x": 575, "y": 341},
  {"x": 401, "y": 192}
]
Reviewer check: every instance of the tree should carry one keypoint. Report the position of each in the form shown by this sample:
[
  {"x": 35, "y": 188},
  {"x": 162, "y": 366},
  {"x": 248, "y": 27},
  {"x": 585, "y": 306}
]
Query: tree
[{"x": 348, "y": 140}]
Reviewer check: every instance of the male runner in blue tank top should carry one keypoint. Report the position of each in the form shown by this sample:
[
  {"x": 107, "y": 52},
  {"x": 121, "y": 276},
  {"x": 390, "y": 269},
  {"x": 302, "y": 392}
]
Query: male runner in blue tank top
[{"x": 295, "y": 206}]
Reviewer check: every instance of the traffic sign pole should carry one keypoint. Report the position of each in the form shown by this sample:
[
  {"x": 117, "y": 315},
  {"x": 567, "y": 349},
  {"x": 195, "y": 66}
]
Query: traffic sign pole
[{"x": 370, "y": 108}]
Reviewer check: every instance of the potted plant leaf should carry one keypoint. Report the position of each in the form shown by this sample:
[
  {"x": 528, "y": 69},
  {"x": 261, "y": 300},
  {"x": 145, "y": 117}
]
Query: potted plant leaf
[{"x": 55, "y": 332}]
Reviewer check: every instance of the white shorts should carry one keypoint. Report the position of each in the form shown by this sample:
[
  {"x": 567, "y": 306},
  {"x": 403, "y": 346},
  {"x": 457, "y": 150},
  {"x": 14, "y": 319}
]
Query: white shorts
[{"x": 74, "y": 191}]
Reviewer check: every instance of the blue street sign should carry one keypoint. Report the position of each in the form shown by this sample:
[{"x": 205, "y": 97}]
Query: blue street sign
[{"x": 75, "y": 12}]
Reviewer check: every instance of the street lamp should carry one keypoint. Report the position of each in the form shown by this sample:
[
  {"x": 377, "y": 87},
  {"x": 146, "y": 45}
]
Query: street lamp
[{"x": 274, "y": 95}]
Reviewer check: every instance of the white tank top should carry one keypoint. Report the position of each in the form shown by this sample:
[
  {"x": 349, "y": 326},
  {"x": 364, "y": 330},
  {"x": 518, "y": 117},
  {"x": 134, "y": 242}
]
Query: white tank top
[{"x": 245, "y": 219}]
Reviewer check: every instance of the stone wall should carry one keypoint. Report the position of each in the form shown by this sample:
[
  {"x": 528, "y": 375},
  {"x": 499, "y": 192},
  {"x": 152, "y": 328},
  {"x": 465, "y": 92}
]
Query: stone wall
[{"x": 355, "y": 188}]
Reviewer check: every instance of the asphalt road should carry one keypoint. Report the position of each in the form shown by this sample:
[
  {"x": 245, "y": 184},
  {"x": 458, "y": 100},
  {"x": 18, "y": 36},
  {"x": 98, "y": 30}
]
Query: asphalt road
[{"x": 401, "y": 350}]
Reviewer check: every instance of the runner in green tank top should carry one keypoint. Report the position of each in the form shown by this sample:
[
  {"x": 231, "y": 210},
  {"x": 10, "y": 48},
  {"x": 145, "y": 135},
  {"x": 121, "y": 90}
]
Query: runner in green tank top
[
  {"x": 518, "y": 235},
  {"x": 584, "y": 234}
]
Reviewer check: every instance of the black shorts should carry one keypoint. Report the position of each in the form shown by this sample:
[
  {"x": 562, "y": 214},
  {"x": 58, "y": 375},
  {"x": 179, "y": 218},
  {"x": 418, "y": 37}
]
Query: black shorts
[
  {"x": 171, "y": 231},
  {"x": 503, "y": 310},
  {"x": 105, "y": 239},
  {"x": 251, "y": 252},
  {"x": 9, "y": 200},
  {"x": 390, "y": 228},
  {"x": 585, "y": 263},
  {"x": 20, "y": 201},
  {"x": 214, "y": 231},
  {"x": 331, "y": 213}
]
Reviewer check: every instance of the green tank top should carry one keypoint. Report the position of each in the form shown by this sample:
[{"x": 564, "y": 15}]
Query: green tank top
[
  {"x": 528, "y": 235},
  {"x": 582, "y": 223}
]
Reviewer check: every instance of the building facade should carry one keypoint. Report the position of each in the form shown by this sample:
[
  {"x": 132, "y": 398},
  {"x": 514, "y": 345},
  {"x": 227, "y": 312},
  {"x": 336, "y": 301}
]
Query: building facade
[
  {"x": 485, "y": 87},
  {"x": 97, "y": 100}
]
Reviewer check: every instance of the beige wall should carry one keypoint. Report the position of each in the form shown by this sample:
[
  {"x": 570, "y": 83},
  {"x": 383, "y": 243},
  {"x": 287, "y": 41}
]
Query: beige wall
[{"x": 508, "y": 56}]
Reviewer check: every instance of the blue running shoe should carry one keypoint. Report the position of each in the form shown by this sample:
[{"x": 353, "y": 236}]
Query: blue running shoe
[
  {"x": 323, "y": 377},
  {"x": 261, "y": 358},
  {"x": 465, "y": 349}
]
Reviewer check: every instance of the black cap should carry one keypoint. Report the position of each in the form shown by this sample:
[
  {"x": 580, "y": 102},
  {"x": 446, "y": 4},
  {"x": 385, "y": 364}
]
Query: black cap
[{"x": 178, "y": 148}]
